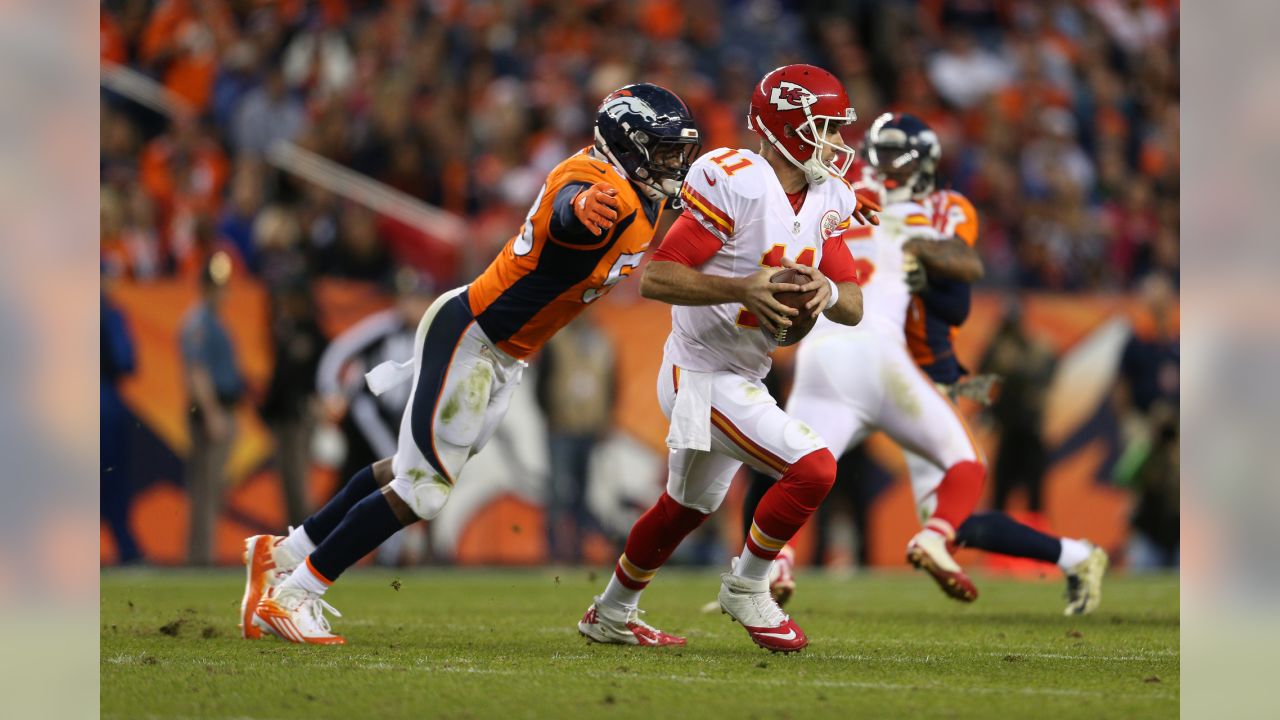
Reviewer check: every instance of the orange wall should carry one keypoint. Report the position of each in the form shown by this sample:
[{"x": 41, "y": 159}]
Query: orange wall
[{"x": 1076, "y": 503}]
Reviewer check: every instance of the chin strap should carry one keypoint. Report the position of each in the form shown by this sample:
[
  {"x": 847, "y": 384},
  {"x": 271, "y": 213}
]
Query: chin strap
[{"x": 815, "y": 171}]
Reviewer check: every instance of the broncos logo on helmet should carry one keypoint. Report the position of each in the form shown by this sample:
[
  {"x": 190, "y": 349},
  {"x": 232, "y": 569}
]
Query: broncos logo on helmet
[{"x": 621, "y": 105}]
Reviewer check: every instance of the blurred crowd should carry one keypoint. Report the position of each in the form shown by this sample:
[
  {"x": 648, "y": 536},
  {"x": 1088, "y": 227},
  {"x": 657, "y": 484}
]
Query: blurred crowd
[{"x": 1058, "y": 118}]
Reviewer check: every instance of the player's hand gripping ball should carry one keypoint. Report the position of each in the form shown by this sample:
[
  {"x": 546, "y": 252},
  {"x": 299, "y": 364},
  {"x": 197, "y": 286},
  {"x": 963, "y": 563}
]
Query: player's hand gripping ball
[{"x": 802, "y": 323}]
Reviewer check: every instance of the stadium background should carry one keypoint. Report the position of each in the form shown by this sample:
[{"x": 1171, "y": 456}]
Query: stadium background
[{"x": 1059, "y": 119}]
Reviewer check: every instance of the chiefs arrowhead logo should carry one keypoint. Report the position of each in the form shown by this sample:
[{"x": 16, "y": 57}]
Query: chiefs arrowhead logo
[{"x": 790, "y": 96}]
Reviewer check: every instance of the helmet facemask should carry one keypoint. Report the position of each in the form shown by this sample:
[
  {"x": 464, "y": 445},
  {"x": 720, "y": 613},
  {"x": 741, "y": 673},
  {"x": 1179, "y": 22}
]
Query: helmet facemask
[
  {"x": 831, "y": 156},
  {"x": 903, "y": 154},
  {"x": 666, "y": 163},
  {"x": 663, "y": 162},
  {"x": 898, "y": 169}
]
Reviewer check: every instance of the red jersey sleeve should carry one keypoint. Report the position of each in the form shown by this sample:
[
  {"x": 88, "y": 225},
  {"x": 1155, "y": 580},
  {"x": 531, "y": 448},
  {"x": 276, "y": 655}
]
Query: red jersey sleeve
[
  {"x": 837, "y": 263},
  {"x": 689, "y": 243}
]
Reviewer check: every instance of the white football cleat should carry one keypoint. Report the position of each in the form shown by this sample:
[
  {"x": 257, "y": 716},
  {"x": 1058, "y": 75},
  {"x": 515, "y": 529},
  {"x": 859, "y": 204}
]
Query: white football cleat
[
  {"x": 782, "y": 579},
  {"x": 1084, "y": 582},
  {"x": 749, "y": 602},
  {"x": 928, "y": 551},
  {"x": 620, "y": 626},
  {"x": 296, "y": 615},
  {"x": 266, "y": 564}
]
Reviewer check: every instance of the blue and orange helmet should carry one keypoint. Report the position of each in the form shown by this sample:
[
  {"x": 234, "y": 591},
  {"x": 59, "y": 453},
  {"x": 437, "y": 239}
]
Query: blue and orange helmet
[{"x": 648, "y": 133}]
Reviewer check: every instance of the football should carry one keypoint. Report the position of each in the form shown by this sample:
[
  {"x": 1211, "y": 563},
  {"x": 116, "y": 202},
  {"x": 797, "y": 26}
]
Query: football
[{"x": 801, "y": 324}]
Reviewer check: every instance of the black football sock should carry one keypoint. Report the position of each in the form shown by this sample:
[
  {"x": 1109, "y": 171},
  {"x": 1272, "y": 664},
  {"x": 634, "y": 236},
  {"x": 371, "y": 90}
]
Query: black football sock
[
  {"x": 320, "y": 524},
  {"x": 998, "y": 533},
  {"x": 362, "y": 530}
]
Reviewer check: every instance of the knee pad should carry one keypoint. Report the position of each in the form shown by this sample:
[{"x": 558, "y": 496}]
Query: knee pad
[
  {"x": 797, "y": 494},
  {"x": 811, "y": 477},
  {"x": 425, "y": 492},
  {"x": 969, "y": 468}
]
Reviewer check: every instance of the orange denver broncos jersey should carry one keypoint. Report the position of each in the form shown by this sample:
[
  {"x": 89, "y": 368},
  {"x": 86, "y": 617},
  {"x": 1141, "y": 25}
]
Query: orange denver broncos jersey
[
  {"x": 929, "y": 337},
  {"x": 553, "y": 268}
]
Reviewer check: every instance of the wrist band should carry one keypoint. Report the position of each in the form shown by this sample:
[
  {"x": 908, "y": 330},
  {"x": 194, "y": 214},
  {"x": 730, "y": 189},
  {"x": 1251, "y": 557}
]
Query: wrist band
[{"x": 835, "y": 295}]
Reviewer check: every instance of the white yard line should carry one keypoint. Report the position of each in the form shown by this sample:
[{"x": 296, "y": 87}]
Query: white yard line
[{"x": 465, "y": 666}]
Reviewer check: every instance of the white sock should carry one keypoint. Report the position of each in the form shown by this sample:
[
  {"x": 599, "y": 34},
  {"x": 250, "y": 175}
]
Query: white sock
[
  {"x": 298, "y": 544},
  {"x": 303, "y": 579},
  {"x": 1073, "y": 553},
  {"x": 752, "y": 566},
  {"x": 620, "y": 596}
]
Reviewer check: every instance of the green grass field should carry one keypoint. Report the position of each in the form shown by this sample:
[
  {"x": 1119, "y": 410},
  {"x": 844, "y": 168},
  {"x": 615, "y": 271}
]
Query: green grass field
[{"x": 478, "y": 644}]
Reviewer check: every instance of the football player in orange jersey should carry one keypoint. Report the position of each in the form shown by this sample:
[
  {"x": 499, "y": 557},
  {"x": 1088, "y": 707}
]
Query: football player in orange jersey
[{"x": 587, "y": 230}]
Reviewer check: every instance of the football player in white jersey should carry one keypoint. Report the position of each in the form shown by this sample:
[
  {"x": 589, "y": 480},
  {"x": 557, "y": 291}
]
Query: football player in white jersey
[
  {"x": 851, "y": 381},
  {"x": 746, "y": 215},
  {"x": 939, "y": 306}
]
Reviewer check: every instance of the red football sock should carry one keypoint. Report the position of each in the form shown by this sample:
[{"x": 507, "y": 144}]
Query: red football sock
[
  {"x": 787, "y": 505},
  {"x": 958, "y": 495},
  {"x": 653, "y": 538}
]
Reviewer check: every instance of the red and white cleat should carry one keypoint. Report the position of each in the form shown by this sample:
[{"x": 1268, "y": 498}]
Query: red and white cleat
[
  {"x": 266, "y": 564},
  {"x": 749, "y": 602},
  {"x": 782, "y": 579},
  {"x": 296, "y": 615},
  {"x": 619, "y": 626},
  {"x": 928, "y": 551}
]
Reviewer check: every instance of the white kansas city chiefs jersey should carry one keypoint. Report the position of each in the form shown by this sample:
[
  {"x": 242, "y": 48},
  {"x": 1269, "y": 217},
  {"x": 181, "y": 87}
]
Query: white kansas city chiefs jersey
[
  {"x": 877, "y": 251},
  {"x": 737, "y": 197}
]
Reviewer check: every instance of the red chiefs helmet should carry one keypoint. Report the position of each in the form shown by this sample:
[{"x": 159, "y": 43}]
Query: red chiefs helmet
[{"x": 794, "y": 108}]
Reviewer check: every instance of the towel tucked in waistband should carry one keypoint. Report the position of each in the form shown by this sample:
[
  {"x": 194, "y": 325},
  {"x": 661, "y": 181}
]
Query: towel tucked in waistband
[
  {"x": 388, "y": 375},
  {"x": 691, "y": 415}
]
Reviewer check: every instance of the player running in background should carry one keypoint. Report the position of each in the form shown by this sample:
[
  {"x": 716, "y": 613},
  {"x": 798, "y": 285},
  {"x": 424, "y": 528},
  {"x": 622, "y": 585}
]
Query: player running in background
[
  {"x": 939, "y": 306},
  {"x": 588, "y": 228},
  {"x": 746, "y": 214},
  {"x": 850, "y": 381}
]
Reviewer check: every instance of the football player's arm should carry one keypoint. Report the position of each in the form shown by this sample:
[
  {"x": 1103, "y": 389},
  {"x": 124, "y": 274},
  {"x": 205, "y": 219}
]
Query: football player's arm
[
  {"x": 950, "y": 258},
  {"x": 671, "y": 277},
  {"x": 948, "y": 300},
  {"x": 582, "y": 212}
]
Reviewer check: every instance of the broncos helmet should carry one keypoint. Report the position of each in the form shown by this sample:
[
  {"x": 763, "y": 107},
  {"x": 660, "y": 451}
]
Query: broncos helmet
[
  {"x": 903, "y": 153},
  {"x": 648, "y": 133}
]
